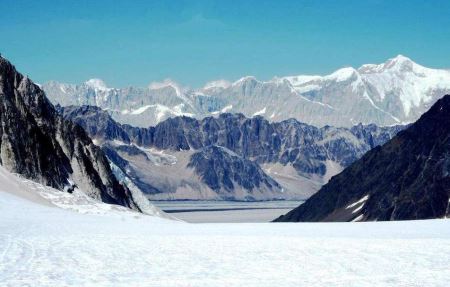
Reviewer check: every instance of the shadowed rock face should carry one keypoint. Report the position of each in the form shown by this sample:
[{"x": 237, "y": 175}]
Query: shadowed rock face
[
  {"x": 305, "y": 146},
  {"x": 407, "y": 178},
  {"x": 252, "y": 141},
  {"x": 222, "y": 169},
  {"x": 36, "y": 142}
]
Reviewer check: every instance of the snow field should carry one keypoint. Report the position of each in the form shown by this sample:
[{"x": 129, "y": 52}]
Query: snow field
[{"x": 45, "y": 245}]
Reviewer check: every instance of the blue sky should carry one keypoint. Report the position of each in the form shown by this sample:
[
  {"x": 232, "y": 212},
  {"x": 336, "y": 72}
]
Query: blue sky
[{"x": 137, "y": 42}]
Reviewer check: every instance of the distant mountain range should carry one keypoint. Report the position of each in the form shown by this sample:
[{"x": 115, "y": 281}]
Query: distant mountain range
[
  {"x": 395, "y": 92},
  {"x": 227, "y": 157},
  {"x": 406, "y": 178}
]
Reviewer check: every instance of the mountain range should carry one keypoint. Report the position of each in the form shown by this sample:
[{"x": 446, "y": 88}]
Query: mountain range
[
  {"x": 395, "y": 92},
  {"x": 368, "y": 173},
  {"x": 406, "y": 178},
  {"x": 229, "y": 156}
]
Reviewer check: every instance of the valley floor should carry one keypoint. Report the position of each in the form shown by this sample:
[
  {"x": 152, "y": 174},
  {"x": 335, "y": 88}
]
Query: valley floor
[
  {"x": 227, "y": 211},
  {"x": 97, "y": 245}
]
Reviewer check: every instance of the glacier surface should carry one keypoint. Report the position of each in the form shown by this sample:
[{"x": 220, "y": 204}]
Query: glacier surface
[{"x": 94, "y": 244}]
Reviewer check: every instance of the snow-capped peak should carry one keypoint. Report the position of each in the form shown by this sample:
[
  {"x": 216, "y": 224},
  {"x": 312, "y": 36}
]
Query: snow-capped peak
[
  {"x": 245, "y": 80},
  {"x": 300, "y": 79},
  {"x": 167, "y": 83},
  {"x": 412, "y": 82},
  {"x": 96, "y": 84},
  {"x": 400, "y": 59},
  {"x": 219, "y": 84},
  {"x": 342, "y": 74},
  {"x": 399, "y": 63}
]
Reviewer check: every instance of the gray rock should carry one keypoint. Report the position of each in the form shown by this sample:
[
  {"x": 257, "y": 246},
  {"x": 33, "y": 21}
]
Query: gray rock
[
  {"x": 253, "y": 141},
  {"x": 36, "y": 142},
  {"x": 224, "y": 171},
  {"x": 406, "y": 178}
]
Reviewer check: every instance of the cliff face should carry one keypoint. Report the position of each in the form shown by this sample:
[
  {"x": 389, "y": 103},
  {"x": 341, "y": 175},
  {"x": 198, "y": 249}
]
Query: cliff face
[
  {"x": 226, "y": 172},
  {"x": 36, "y": 142},
  {"x": 407, "y": 178}
]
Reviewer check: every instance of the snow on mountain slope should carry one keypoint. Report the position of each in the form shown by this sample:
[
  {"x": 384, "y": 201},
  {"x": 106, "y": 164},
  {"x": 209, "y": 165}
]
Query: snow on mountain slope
[
  {"x": 76, "y": 201},
  {"x": 399, "y": 88},
  {"x": 97, "y": 84},
  {"x": 401, "y": 74},
  {"x": 48, "y": 246},
  {"x": 214, "y": 85},
  {"x": 395, "y": 92}
]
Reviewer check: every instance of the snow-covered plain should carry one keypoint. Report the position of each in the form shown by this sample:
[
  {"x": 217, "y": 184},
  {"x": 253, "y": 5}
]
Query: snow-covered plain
[{"x": 100, "y": 245}]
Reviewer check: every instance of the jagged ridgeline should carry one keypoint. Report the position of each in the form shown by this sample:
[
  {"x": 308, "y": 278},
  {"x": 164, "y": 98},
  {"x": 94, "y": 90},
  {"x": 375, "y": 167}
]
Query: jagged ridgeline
[
  {"x": 36, "y": 142},
  {"x": 406, "y": 178},
  {"x": 228, "y": 156},
  {"x": 395, "y": 92}
]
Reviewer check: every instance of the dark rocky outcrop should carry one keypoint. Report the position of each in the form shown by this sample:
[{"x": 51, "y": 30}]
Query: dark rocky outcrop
[
  {"x": 305, "y": 146},
  {"x": 222, "y": 169},
  {"x": 252, "y": 141},
  {"x": 38, "y": 143},
  {"x": 406, "y": 178}
]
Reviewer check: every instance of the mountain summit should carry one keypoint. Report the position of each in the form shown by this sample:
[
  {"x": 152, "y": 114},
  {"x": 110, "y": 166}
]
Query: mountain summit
[{"x": 407, "y": 178}]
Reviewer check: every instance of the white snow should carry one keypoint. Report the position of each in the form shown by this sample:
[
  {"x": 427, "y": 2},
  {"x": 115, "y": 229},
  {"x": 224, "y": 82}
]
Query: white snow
[
  {"x": 301, "y": 79},
  {"x": 366, "y": 96},
  {"x": 223, "y": 110},
  {"x": 358, "y": 205},
  {"x": 179, "y": 91},
  {"x": 139, "y": 110},
  {"x": 341, "y": 75},
  {"x": 77, "y": 201},
  {"x": 245, "y": 79},
  {"x": 159, "y": 157},
  {"x": 97, "y": 84},
  {"x": 161, "y": 111},
  {"x": 401, "y": 74},
  {"x": 307, "y": 88},
  {"x": 167, "y": 83},
  {"x": 357, "y": 209},
  {"x": 260, "y": 113},
  {"x": 227, "y": 108},
  {"x": 358, "y": 218},
  {"x": 314, "y": 102},
  {"x": 42, "y": 245},
  {"x": 306, "y": 83},
  {"x": 219, "y": 84},
  {"x": 362, "y": 200}
]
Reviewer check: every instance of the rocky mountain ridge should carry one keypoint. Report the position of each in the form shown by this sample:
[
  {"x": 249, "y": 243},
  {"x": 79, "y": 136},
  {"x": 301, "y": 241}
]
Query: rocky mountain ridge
[
  {"x": 406, "y": 178},
  {"x": 251, "y": 154}
]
